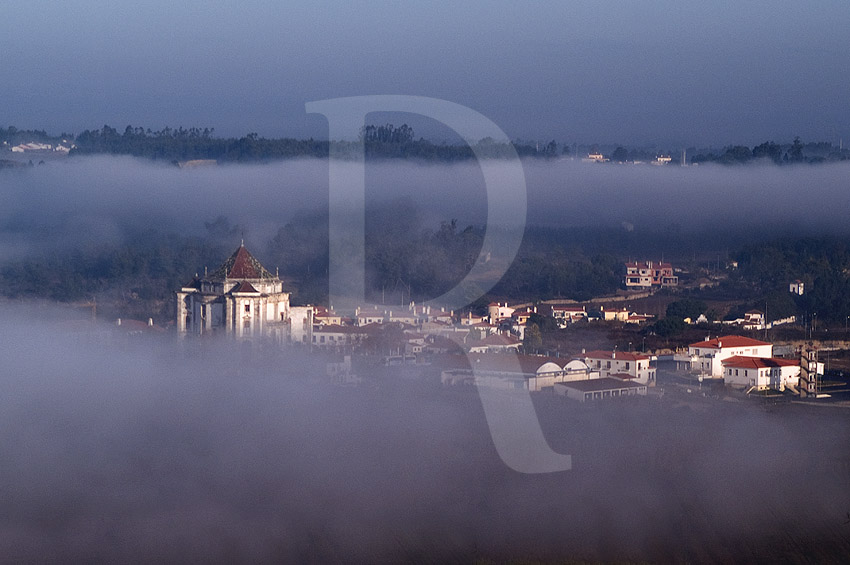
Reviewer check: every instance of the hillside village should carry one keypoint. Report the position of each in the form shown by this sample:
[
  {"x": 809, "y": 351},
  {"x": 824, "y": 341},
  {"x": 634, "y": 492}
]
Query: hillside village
[{"x": 501, "y": 348}]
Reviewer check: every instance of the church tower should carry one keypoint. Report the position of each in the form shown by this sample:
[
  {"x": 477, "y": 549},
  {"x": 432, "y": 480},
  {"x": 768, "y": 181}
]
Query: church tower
[{"x": 240, "y": 298}]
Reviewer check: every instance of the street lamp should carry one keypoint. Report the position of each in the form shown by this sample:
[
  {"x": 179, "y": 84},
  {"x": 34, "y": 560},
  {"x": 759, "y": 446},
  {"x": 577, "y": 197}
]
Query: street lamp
[{"x": 630, "y": 347}]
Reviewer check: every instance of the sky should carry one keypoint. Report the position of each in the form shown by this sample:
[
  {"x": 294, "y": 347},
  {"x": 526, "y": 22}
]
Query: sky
[{"x": 667, "y": 72}]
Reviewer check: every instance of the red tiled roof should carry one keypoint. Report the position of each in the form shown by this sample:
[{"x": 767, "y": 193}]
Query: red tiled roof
[
  {"x": 618, "y": 355},
  {"x": 729, "y": 341},
  {"x": 241, "y": 265},
  {"x": 245, "y": 286},
  {"x": 743, "y": 362}
]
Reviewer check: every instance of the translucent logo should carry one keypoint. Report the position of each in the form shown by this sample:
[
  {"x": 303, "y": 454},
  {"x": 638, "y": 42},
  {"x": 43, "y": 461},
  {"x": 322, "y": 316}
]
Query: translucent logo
[{"x": 510, "y": 413}]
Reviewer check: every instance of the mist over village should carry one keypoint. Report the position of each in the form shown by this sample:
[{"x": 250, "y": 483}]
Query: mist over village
[{"x": 568, "y": 285}]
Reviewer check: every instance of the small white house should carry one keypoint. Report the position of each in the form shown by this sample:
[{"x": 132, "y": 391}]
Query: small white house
[{"x": 761, "y": 373}]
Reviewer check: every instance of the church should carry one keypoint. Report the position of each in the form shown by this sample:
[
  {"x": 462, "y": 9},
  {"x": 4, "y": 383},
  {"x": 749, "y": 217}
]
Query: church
[{"x": 242, "y": 299}]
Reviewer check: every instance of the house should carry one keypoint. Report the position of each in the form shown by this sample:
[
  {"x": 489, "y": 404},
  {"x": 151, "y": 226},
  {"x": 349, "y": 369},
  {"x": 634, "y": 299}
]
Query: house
[
  {"x": 340, "y": 337},
  {"x": 594, "y": 158},
  {"x": 599, "y": 389},
  {"x": 368, "y": 316},
  {"x": 648, "y": 274},
  {"x": 472, "y": 319},
  {"x": 621, "y": 365},
  {"x": 324, "y": 316},
  {"x": 707, "y": 356},
  {"x": 408, "y": 318},
  {"x": 753, "y": 320},
  {"x": 797, "y": 287},
  {"x": 521, "y": 317},
  {"x": 240, "y": 298},
  {"x": 619, "y": 315},
  {"x": 565, "y": 315},
  {"x": 761, "y": 373},
  {"x": 443, "y": 317},
  {"x": 498, "y": 312},
  {"x": 639, "y": 318}
]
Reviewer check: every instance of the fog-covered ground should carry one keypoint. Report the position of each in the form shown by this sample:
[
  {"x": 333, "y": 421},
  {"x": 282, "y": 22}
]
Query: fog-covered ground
[{"x": 126, "y": 449}]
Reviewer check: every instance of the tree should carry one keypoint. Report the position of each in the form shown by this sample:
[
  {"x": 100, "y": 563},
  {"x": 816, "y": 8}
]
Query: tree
[
  {"x": 668, "y": 327},
  {"x": 796, "y": 152},
  {"x": 768, "y": 150},
  {"x": 533, "y": 339},
  {"x": 620, "y": 155},
  {"x": 685, "y": 308}
]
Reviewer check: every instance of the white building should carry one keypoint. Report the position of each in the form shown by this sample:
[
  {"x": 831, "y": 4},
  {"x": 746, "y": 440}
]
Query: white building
[
  {"x": 534, "y": 373},
  {"x": 241, "y": 298},
  {"x": 761, "y": 373},
  {"x": 599, "y": 389},
  {"x": 621, "y": 365},
  {"x": 565, "y": 315},
  {"x": 797, "y": 287},
  {"x": 707, "y": 356},
  {"x": 498, "y": 312}
]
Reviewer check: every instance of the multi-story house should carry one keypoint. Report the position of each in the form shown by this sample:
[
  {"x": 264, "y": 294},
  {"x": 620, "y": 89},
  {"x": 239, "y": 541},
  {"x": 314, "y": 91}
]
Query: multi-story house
[{"x": 648, "y": 274}]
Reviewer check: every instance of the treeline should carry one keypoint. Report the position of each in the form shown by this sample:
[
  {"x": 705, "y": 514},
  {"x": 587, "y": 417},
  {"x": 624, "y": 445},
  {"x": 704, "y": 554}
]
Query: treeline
[
  {"x": 194, "y": 143},
  {"x": 385, "y": 141},
  {"x": 796, "y": 152},
  {"x": 14, "y": 136}
]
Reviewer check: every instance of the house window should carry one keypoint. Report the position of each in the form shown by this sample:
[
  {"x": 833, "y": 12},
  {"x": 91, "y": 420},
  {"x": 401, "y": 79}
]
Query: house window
[
  {"x": 608, "y": 365},
  {"x": 247, "y": 308},
  {"x": 627, "y": 365}
]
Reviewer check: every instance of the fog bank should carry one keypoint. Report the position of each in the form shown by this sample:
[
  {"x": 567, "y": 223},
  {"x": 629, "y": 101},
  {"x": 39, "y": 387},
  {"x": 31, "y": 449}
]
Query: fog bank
[
  {"x": 87, "y": 201},
  {"x": 119, "y": 449}
]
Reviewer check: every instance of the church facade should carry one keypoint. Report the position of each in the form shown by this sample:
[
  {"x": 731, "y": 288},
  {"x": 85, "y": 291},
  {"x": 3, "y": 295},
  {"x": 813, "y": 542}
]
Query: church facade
[{"x": 242, "y": 299}]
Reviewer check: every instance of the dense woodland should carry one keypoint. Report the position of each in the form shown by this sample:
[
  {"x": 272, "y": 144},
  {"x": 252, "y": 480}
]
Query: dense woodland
[{"x": 408, "y": 260}]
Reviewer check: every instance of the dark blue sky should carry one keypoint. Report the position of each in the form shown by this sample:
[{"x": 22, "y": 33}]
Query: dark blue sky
[{"x": 674, "y": 72}]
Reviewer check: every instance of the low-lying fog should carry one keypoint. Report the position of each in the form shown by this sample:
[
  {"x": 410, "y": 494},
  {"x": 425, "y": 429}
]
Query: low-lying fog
[
  {"x": 87, "y": 200},
  {"x": 115, "y": 448}
]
